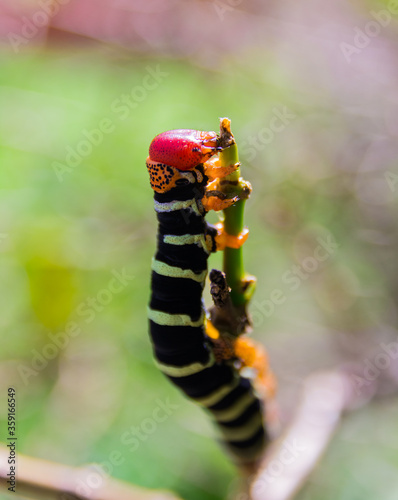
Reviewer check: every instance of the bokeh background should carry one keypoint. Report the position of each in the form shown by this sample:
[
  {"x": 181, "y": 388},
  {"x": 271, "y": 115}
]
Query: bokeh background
[{"x": 311, "y": 88}]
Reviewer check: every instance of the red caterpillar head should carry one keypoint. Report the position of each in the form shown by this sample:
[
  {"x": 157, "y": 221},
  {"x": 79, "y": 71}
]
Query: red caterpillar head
[
  {"x": 183, "y": 149},
  {"x": 176, "y": 151}
]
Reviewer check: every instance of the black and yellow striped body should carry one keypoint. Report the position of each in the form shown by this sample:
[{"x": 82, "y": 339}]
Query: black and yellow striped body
[{"x": 177, "y": 317}]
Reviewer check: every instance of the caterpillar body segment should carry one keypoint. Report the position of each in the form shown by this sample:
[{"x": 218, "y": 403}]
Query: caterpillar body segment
[{"x": 183, "y": 351}]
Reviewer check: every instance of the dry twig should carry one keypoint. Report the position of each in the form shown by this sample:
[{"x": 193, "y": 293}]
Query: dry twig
[
  {"x": 290, "y": 460},
  {"x": 40, "y": 479}
]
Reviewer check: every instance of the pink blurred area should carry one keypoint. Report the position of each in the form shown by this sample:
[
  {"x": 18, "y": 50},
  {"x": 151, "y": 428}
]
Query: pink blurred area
[
  {"x": 304, "y": 34},
  {"x": 177, "y": 26},
  {"x": 170, "y": 27}
]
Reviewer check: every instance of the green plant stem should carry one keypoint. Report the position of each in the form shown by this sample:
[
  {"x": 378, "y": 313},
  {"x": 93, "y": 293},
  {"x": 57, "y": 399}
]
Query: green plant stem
[{"x": 233, "y": 225}]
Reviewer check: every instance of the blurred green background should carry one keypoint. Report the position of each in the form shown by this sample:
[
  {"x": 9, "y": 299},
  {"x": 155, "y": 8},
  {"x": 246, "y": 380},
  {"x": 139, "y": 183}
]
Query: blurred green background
[{"x": 317, "y": 137}]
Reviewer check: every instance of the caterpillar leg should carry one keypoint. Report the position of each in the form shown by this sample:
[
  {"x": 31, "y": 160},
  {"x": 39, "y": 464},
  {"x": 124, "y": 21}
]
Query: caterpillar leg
[
  {"x": 215, "y": 199},
  {"x": 224, "y": 240},
  {"x": 211, "y": 330},
  {"x": 253, "y": 355},
  {"x": 214, "y": 170}
]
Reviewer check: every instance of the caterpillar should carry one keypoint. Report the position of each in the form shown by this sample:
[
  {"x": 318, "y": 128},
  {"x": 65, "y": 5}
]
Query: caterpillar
[{"x": 182, "y": 166}]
